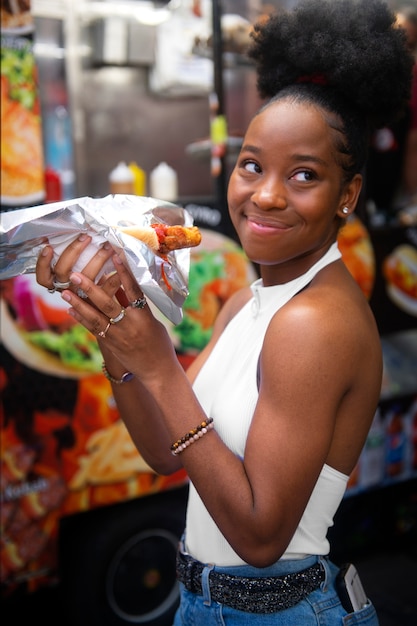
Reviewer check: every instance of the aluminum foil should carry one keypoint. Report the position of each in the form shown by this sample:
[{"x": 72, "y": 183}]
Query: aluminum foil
[{"x": 24, "y": 232}]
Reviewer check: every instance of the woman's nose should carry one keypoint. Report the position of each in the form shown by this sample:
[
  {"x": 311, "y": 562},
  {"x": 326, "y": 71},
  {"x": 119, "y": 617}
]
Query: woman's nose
[{"x": 269, "y": 195}]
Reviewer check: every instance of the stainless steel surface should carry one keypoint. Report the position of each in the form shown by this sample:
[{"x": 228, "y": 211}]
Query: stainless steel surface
[{"x": 114, "y": 115}]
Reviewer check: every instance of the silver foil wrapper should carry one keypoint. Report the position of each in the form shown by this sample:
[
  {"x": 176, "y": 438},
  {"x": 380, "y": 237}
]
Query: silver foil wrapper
[{"x": 24, "y": 232}]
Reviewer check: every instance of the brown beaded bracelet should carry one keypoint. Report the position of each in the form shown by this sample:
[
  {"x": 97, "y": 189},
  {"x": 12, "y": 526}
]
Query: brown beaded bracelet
[
  {"x": 116, "y": 381},
  {"x": 192, "y": 435}
]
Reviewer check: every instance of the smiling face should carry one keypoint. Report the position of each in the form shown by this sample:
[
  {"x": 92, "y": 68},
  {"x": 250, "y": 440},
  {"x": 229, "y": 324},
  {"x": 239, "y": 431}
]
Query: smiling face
[{"x": 286, "y": 192}]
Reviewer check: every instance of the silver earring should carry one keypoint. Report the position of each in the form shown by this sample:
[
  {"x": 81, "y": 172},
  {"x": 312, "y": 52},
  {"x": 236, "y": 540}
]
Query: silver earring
[{"x": 345, "y": 210}]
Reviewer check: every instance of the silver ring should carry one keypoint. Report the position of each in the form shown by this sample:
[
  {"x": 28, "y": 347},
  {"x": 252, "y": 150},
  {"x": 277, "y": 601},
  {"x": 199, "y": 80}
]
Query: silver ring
[
  {"x": 118, "y": 318},
  {"x": 81, "y": 293},
  {"x": 52, "y": 290},
  {"x": 58, "y": 285},
  {"x": 139, "y": 303},
  {"x": 103, "y": 333}
]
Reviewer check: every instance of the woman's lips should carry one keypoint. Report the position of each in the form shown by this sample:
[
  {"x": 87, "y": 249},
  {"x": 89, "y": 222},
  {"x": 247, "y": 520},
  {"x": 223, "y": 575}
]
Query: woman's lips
[{"x": 265, "y": 228}]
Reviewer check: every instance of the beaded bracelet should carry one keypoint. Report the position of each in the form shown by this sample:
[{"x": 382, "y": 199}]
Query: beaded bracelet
[
  {"x": 117, "y": 381},
  {"x": 192, "y": 435}
]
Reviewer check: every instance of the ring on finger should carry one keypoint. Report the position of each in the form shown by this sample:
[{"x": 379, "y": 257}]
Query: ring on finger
[
  {"x": 103, "y": 333},
  {"x": 58, "y": 285},
  {"x": 139, "y": 303},
  {"x": 118, "y": 318},
  {"x": 81, "y": 293}
]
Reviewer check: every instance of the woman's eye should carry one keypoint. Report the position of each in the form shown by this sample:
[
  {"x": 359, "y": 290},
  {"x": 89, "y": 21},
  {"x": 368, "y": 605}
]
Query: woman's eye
[
  {"x": 304, "y": 176},
  {"x": 251, "y": 166}
]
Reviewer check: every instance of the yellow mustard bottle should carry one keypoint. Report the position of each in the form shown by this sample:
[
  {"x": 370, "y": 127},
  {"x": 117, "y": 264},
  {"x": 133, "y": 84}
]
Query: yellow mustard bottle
[{"x": 139, "y": 179}]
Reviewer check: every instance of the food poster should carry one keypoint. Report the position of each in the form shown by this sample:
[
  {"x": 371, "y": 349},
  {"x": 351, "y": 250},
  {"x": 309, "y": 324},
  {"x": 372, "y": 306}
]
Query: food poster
[
  {"x": 22, "y": 161},
  {"x": 394, "y": 297},
  {"x": 64, "y": 448},
  {"x": 356, "y": 247},
  {"x": 384, "y": 263}
]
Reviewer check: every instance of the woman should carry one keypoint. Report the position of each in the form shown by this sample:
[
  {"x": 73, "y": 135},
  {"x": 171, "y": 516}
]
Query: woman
[{"x": 291, "y": 377}]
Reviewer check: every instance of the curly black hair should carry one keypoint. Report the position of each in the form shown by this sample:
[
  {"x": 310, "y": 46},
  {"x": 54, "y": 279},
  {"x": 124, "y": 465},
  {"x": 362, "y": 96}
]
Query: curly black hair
[
  {"x": 347, "y": 56},
  {"x": 352, "y": 44}
]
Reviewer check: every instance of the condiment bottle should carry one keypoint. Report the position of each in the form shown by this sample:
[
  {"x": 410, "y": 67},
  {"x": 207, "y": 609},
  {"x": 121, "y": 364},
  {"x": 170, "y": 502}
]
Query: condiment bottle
[
  {"x": 121, "y": 179},
  {"x": 164, "y": 183},
  {"x": 139, "y": 179},
  {"x": 53, "y": 186}
]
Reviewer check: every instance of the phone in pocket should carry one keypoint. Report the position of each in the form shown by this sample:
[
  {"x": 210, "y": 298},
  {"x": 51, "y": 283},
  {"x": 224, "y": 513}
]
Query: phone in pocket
[{"x": 349, "y": 587}]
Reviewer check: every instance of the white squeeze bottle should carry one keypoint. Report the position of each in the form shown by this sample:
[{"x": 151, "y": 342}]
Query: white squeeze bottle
[
  {"x": 164, "y": 183},
  {"x": 121, "y": 179}
]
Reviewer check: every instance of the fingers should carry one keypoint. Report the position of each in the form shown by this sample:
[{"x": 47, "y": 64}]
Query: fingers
[
  {"x": 89, "y": 316},
  {"x": 56, "y": 277},
  {"x": 101, "y": 312},
  {"x": 93, "y": 304},
  {"x": 47, "y": 273},
  {"x": 63, "y": 267},
  {"x": 101, "y": 297},
  {"x": 110, "y": 298},
  {"x": 133, "y": 293},
  {"x": 96, "y": 263},
  {"x": 44, "y": 274}
]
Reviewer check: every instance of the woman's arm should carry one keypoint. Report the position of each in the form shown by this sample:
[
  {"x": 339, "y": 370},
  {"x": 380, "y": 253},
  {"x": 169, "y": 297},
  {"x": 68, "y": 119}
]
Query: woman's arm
[{"x": 139, "y": 410}]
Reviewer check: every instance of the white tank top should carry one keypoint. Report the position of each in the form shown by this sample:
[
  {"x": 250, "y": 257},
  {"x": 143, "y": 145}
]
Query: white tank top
[{"x": 226, "y": 387}]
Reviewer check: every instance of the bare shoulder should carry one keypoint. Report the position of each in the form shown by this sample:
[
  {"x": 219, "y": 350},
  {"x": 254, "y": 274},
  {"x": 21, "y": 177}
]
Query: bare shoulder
[
  {"x": 329, "y": 329},
  {"x": 331, "y": 306}
]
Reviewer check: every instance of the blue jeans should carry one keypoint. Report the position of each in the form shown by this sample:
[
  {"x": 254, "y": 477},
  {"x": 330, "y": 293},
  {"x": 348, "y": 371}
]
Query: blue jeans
[{"x": 321, "y": 608}]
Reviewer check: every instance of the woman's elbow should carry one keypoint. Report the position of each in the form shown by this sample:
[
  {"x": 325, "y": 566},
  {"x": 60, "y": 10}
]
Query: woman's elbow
[{"x": 163, "y": 466}]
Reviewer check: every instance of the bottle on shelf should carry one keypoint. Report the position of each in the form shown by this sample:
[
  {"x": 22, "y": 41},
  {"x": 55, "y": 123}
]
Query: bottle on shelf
[
  {"x": 164, "y": 183},
  {"x": 121, "y": 179},
  {"x": 53, "y": 185},
  {"x": 139, "y": 179},
  {"x": 59, "y": 148}
]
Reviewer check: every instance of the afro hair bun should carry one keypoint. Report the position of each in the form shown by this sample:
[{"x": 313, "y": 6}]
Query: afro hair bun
[{"x": 353, "y": 46}]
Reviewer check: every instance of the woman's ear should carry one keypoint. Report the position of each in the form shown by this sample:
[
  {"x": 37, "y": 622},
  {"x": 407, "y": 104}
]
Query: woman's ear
[{"x": 350, "y": 197}]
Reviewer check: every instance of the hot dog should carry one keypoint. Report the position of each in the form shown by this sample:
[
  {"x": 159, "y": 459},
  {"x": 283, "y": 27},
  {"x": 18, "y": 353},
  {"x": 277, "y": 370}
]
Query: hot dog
[{"x": 163, "y": 238}]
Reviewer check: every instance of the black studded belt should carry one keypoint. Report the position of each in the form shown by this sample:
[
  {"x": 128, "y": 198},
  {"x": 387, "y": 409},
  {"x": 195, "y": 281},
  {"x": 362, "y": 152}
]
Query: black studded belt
[{"x": 253, "y": 595}]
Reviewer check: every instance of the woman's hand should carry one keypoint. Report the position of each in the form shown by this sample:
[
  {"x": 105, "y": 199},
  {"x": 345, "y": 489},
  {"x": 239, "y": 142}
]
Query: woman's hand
[
  {"x": 129, "y": 330},
  {"x": 113, "y": 309},
  {"x": 56, "y": 277}
]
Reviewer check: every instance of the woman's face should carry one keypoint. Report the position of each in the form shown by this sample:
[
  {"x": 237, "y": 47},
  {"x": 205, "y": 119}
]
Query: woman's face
[{"x": 287, "y": 189}]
